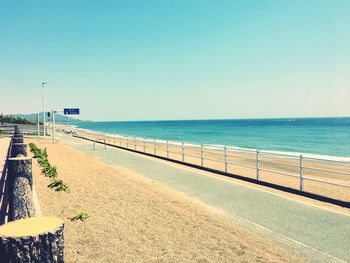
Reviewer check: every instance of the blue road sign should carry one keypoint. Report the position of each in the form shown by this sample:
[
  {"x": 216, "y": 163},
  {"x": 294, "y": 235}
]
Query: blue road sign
[{"x": 70, "y": 111}]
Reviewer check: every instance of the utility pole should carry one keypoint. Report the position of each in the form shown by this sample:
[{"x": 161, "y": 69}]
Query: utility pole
[
  {"x": 43, "y": 97},
  {"x": 53, "y": 126},
  {"x": 38, "y": 123}
]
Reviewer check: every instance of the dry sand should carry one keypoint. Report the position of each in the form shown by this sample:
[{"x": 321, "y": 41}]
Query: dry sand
[{"x": 133, "y": 219}]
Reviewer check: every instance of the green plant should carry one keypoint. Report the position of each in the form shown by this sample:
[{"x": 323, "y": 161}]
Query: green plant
[
  {"x": 32, "y": 146},
  {"x": 45, "y": 168},
  {"x": 58, "y": 185},
  {"x": 36, "y": 152},
  {"x": 43, "y": 158},
  {"x": 44, "y": 153},
  {"x": 81, "y": 216},
  {"x": 43, "y": 161},
  {"x": 49, "y": 170}
]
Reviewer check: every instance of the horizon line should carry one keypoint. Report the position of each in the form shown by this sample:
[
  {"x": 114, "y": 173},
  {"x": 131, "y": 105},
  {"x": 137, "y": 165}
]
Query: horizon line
[
  {"x": 76, "y": 118},
  {"x": 221, "y": 119}
]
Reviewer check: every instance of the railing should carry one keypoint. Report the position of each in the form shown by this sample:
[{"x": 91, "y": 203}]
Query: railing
[
  {"x": 226, "y": 159},
  {"x": 100, "y": 139},
  {"x": 26, "y": 129}
]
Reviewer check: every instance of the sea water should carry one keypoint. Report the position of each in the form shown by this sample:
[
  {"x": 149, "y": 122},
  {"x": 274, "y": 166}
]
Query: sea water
[{"x": 321, "y": 136}]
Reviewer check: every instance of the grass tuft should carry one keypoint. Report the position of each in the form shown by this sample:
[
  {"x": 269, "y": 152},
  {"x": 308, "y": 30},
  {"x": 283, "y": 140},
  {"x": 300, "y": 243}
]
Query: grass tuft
[
  {"x": 81, "y": 216},
  {"x": 58, "y": 185}
]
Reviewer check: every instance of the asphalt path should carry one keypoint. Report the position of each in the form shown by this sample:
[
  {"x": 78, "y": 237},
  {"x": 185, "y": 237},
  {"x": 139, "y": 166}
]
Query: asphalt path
[{"x": 318, "y": 234}]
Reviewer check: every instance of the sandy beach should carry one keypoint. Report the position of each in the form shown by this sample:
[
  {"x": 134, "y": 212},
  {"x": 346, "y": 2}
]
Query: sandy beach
[
  {"x": 133, "y": 219},
  {"x": 175, "y": 131},
  {"x": 283, "y": 165}
]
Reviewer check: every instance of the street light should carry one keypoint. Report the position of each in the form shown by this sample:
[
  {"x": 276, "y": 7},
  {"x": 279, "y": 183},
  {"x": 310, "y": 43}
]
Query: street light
[{"x": 43, "y": 97}]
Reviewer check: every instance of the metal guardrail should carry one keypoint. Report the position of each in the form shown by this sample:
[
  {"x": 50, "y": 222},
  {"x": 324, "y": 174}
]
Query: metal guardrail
[
  {"x": 26, "y": 129},
  {"x": 100, "y": 139},
  {"x": 226, "y": 156}
]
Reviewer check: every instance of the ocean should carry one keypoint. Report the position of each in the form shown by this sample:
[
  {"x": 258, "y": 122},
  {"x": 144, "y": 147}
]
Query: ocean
[{"x": 318, "y": 136}]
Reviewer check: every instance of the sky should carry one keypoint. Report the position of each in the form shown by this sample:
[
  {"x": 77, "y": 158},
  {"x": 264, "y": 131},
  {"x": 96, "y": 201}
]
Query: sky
[{"x": 176, "y": 59}]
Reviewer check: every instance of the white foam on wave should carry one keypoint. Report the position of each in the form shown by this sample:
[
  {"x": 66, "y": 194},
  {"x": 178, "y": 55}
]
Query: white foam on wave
[
  {"x": 285, "y": 153},
  {"x": 230, "y": 148}
]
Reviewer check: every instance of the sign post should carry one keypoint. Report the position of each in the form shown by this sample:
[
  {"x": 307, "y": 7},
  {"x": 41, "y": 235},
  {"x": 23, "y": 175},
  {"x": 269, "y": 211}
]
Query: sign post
[
  {"x": 66, "y": 111},
  {"x": 71, "y": 111}
]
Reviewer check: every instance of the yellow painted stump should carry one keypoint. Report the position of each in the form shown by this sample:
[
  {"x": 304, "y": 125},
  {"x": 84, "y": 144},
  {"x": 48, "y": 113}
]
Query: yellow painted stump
[{"x": 35, "y": 239}]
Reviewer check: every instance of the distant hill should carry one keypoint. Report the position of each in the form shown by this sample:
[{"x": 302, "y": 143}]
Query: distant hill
[{"x": 58, "y": 118}]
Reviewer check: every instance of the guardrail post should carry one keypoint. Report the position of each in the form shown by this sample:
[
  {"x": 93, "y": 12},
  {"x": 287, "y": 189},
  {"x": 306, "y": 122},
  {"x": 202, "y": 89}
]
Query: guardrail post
[
  {"x": 94, "y": 145},
  {"x": 183, "y": 151},
  {"x": 167, "y": 149},
  {"x": 225, "y": 155},
  {"x": 301, "y": 173},
  {"x": 154, "y": 147},
  {"x": 257, "y": 165},
  {"x": 202, "y": 155}
]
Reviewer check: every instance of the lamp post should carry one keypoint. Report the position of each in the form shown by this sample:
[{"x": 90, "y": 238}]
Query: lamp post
[{"x": 43, "y": 97}]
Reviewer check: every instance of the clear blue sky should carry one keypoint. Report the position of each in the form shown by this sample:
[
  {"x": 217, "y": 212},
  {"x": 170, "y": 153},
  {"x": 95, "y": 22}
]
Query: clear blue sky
[{"x": 137, "y": 60}]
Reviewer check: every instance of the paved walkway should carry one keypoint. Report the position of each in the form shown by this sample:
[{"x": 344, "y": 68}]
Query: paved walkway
[{"x": 318, "y": 234}]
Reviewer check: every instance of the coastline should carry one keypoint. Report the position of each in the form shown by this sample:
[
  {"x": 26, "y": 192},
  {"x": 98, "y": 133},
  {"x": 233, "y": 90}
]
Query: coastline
[
  {"x": 322, "y": 138},
  {"x": 280, "y": 170},
  {"x": 286, "y": 153}
]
